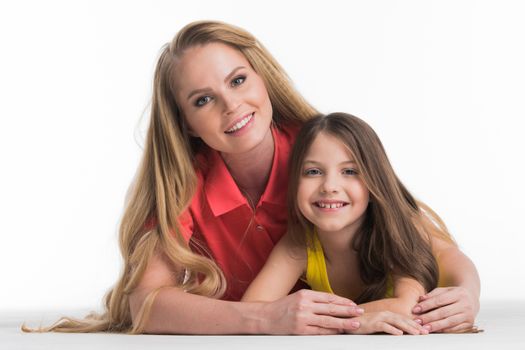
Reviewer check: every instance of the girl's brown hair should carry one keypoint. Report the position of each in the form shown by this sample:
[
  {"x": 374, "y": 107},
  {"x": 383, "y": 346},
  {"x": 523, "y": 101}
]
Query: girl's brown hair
[
  {"x": 394, "y": 238},
  {"x": 166, "y": 181}
]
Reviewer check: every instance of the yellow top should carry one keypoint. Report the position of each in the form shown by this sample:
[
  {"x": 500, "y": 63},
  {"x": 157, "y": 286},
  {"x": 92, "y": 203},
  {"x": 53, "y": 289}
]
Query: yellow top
[{"x": 317, "y": 275}]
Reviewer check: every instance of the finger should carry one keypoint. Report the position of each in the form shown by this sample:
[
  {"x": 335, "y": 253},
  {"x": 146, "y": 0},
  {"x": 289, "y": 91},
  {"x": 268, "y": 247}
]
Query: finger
[
  {"x": 438, "y": 314},
  {"x": 407, "y": 325},
  {"x": 388, "y": 328},
  {"x": 465, "y": 327},
  {"x": 448, "y": 322},
  {"x": 337, "y": 310},
  {"x": 329, "y": 322},
  {"x": 321, "y": 297},
  {"x": 435, "y": 301},
  {"x": 433, "y": 293}
]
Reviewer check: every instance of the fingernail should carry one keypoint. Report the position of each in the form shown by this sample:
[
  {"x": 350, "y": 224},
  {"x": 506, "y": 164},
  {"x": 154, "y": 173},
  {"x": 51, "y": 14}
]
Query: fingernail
[
  {"x": 416, "y": 309},
  {"x": 359, "y": 310},
  {"x": 423, "y": 332},
  {"x": 355, "y": 324},
  {"x": 418, "y": 320},
  {"x": 427, "y": 327}
]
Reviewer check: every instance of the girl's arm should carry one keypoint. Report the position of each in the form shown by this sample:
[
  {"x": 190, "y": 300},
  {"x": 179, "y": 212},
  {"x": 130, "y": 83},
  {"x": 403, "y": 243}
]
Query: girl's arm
[
  {"x": 177, "y": 312},
  {"x": 280, "y": 273},
  {"x": 451, "y": 309},
  {"x": 393, "y": 315},
  {"x": 406, "y": 295}
]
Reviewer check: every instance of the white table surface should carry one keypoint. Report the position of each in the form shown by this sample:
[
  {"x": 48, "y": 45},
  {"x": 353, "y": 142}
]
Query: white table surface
[{"x": 503, "y": 323}]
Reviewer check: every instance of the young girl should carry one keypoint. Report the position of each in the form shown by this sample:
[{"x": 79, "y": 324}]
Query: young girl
[{"x": 354, "y": 229}]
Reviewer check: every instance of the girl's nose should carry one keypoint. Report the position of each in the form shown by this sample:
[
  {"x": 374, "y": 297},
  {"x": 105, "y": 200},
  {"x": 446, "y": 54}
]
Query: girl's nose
[{"x": 329, "y": 185}]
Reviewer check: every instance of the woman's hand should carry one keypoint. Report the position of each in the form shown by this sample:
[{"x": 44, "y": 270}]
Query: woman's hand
[
  {"x": 387, "y": 322},
  {"x": 310, "y": 312},
  {"x": 448, "y": 310}
]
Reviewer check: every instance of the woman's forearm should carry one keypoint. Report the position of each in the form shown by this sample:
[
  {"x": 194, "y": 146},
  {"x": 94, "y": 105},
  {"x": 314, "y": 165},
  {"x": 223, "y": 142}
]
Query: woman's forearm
[
  {"x": 303, "y": 312},
  {"x": 457, "y": 270},
  {"x": 177, "y": 312}
]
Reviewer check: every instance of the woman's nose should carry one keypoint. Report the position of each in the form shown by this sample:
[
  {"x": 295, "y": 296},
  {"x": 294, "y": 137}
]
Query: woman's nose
[{"x": 231, "y": 103}]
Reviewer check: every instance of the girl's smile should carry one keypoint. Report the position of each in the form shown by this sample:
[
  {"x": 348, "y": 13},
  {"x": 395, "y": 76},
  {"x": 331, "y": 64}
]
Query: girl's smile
[{"x": 330, "y": 205}]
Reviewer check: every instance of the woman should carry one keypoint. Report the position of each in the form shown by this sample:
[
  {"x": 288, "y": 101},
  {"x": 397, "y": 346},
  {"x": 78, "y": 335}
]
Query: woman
[{"x": 207, "y": 205}]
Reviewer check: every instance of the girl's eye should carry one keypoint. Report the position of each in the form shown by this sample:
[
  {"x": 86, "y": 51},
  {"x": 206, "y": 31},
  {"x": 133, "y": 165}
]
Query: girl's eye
[
  {"x": 349, "y": 171},
  {"x": 312, "y": 172},
  {"x": 201, "y": 101},
  {"x": 238, "y": 81}
]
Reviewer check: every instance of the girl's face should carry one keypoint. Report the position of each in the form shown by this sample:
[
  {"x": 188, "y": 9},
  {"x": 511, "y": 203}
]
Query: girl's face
[
  {"x": 331, "y": 194},
  {"x": 223, "y": 100}
]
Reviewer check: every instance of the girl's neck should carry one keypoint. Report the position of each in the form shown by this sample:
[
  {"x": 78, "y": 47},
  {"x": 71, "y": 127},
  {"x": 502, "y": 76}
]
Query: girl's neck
[
  {"x": 251, "y": 170},
  {"x": 338, "y": 244}
]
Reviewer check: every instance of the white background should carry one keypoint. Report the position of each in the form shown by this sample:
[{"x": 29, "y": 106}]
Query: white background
[{"x": 442, "y": 82}]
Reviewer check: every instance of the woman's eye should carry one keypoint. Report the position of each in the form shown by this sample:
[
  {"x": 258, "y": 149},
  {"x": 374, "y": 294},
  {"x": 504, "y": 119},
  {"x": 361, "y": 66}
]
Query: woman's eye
[
  {"x": 238, "y": 81},
  {"x": 312, "y": 172},
  {"x": 349, "y": 172},
  {"x": 201, "y": 101}
]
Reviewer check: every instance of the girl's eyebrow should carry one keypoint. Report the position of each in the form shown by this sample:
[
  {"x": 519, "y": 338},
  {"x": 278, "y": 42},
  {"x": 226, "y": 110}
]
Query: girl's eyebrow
[
  {"x": 206, "y": 89},
  {"x": 316, "y": 162}
]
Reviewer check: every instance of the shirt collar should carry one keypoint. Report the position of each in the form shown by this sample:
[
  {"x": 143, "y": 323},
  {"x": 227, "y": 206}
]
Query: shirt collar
[{"x": 222, "y": 192}]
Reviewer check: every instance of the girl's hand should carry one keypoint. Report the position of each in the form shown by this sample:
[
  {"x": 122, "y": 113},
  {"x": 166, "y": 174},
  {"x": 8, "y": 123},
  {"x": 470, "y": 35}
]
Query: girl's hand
[
  {"x": 387, "y": 322},
  {"x": 310, "y": 312},
  {"x": 448, "y": 310}
]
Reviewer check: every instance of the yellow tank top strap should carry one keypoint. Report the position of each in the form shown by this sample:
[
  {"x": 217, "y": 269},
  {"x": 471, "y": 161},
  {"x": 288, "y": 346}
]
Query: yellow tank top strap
[{"x": 316, "y": 274}]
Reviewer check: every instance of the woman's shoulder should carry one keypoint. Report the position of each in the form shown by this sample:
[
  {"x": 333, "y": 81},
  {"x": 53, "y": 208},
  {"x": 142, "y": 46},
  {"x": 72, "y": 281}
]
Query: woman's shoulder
[
  {"x": 285, "y": 135},
  {"x": 289, "y": 129}
]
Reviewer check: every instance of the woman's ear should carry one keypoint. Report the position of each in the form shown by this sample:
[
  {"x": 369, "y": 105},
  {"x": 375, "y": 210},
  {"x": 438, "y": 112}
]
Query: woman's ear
[
  {"x": 191, "y": 132},
  {"x": 186, "y": 127}
]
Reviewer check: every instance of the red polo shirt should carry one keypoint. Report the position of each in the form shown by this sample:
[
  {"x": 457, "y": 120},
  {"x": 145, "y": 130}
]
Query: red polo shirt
[{"x": 220, "y": 218}]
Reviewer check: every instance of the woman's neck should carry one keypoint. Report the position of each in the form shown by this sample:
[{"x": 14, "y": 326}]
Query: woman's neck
[{"x": 251, "y": 170}]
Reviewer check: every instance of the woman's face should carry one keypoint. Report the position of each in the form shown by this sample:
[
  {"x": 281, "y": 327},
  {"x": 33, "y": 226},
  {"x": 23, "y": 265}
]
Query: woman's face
[{"x": 223, "y": 100}]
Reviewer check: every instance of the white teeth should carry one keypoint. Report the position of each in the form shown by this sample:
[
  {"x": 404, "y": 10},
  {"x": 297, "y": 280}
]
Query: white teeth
[
  {"x": 330, "y": 205},
  {"x": 240, "y": 124}
]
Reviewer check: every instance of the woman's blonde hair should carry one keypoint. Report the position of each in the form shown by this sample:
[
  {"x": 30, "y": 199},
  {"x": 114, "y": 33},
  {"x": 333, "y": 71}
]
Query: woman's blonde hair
[{"x": 166, "y": 181}]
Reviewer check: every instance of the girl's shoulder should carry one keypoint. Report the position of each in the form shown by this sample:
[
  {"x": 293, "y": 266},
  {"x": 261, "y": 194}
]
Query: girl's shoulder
[{"x": 294, "y": 249}]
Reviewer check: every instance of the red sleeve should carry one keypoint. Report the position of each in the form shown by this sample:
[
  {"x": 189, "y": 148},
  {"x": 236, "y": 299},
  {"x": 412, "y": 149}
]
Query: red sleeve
[
  {"x": 185, "y": 220},
  {"x": 186, "y": 225}
]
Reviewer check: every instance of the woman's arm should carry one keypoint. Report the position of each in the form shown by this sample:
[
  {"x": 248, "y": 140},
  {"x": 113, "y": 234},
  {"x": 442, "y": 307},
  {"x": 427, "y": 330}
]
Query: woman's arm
[
  {"x": 454, "y": 308},
  {"x": 177, "y": 312}
]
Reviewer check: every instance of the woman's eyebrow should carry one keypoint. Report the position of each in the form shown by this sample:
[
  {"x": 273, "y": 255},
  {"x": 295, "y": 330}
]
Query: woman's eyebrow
[{"x": 232, "y": 73}]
